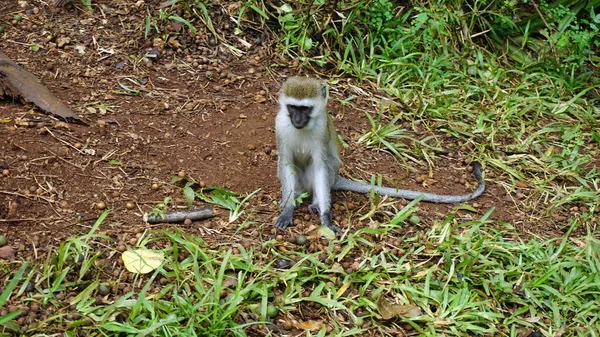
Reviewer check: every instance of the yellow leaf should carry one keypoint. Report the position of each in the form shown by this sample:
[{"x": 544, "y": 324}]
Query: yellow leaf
[{"x": 142, "y": 261}]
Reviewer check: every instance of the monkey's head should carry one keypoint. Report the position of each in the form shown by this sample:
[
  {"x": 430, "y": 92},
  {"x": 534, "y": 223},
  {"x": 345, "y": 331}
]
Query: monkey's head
[{"x": 303, "y": 99}]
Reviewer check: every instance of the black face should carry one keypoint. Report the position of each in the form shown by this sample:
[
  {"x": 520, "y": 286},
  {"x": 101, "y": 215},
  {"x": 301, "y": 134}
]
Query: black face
[{"x": 299, "y": 115}]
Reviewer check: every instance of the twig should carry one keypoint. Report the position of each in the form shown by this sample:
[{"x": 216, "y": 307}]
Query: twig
[
  {"x": 29, "y": 219},
  {"x": 548, "y": 27},
  {"x": 179, "y": 216},
  {"x": 27, "y": 196}
]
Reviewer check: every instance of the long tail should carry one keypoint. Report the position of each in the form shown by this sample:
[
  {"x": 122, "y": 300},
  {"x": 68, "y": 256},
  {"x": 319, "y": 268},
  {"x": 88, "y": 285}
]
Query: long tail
[{"x": 343, "y": 184}]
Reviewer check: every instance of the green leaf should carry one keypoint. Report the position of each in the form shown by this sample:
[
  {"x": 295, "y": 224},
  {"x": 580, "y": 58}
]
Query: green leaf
[{"x": 188, "y": 195}]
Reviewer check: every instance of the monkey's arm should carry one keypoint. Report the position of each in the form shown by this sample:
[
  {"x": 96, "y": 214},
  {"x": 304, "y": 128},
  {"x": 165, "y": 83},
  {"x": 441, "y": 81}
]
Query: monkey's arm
[{"x": 343, "y": 184}]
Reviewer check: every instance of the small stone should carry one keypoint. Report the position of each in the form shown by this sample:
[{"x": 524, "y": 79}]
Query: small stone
[
  {"x": 414, "y": 219},
  {"x": 103, "y": 289},
  {"x": 301, "y": 240},
  {"x": 282, "y": 264}
]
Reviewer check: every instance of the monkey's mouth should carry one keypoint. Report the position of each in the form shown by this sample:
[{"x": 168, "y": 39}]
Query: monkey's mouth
[{"x": 299, "y": 119}]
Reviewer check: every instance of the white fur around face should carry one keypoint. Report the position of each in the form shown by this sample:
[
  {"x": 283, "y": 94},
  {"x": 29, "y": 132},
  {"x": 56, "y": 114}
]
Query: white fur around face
[{"x": 318, "y": 117}]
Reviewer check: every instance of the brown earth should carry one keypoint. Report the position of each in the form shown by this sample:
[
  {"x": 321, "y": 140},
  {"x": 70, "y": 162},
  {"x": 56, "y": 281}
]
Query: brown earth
[{"x": 196, "y": 108}]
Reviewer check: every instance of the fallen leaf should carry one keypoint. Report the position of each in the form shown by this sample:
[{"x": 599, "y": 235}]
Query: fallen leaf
[
  {"x": 80, "y": 49},
  {"x": 310, "y": 325},
  {"x": 327, "y": 232},
  {"x": 174, "y": 43},
  {"x": 260, "y": 99},
  {"x": 230, "y": 281},
  {"x": 62, "y": 125},
  {"x": 521, "y": 184},
  {"x": 62, "y": 41},
  {"x": 7, "y": 252},
  {"x": 342, "y": 289},
  {"x": 142, "y": 261},
  {"x": 388, "y": 310}
]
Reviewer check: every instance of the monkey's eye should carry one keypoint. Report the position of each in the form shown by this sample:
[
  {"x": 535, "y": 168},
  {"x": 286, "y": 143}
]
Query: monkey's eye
[{"x": 302, "y": 109}]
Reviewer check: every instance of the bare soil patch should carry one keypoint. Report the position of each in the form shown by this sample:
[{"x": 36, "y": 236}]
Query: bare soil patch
[{"x": 199, "y": 109}]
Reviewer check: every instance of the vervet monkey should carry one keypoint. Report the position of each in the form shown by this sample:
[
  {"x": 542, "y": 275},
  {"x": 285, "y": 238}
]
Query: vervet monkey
[{"x": 309, "y": 156}]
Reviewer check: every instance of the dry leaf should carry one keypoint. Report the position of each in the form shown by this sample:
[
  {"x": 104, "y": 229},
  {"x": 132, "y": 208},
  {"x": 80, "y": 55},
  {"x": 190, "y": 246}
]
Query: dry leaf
[
  {"x": 388, "y": 310},
  {"x": 230, "y": 281},
  {"x": 174, "y": 43},
  {"x": 61, "y": 125},
  {"x": 260, "y": 99},
  {"x": 310, "y": 325},
  {"x": 7, "y": 252},
  {"x": 521, "y": 184},
  {"x": 342, "y": 289}
]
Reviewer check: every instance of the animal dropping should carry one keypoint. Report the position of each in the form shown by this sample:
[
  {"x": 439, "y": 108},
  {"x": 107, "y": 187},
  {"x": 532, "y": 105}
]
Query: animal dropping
[{"x": 309, "y": 156}]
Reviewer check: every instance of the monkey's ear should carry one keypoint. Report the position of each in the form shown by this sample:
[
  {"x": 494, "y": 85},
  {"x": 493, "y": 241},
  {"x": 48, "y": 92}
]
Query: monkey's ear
[{"x": 324, "y": 91}]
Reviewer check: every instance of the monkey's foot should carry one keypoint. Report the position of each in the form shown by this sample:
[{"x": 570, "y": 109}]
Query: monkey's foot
[
  {"x": 313, "y": 208},
  {"x": 334, "y": 228},
  {"x": 326, "y": 220},
  {"x": 285, "y": 219}
]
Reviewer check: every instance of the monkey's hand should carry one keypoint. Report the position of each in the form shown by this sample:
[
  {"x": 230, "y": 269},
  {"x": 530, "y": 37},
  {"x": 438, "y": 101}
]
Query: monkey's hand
[
  {"x": 286, "y": 218},
  {"x": 326, "y": 220}
]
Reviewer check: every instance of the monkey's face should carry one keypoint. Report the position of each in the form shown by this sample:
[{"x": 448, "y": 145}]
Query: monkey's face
[{"x": 299, "y": 115}]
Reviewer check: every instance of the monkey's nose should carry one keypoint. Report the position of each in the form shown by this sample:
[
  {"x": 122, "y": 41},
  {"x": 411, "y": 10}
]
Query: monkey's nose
[{"x": 299, "y": 120}]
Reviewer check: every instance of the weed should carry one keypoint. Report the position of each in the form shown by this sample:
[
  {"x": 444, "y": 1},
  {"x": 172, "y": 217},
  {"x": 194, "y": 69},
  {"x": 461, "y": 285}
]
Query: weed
[{"x": 460, "y": 277}]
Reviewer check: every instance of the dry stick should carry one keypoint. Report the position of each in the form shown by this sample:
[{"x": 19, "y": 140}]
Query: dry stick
[
  {"x": 29, "y": 219},
  {"x": 179, "y": 216},
  {"x": 30, "y": 197},
  {"x": 547, "y": 27}
]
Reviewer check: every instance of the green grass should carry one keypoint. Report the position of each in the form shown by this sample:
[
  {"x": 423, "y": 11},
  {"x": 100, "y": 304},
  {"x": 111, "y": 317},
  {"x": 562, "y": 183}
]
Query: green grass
[
  {"x": 474, "y": 277},
  {"x": 522, "y": 103},
  {"x": 529, "y": 116}
]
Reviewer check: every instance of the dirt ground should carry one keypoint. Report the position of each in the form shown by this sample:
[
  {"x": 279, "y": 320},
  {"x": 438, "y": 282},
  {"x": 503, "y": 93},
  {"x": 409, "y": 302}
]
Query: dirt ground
[{"x": 196, "y": 108}]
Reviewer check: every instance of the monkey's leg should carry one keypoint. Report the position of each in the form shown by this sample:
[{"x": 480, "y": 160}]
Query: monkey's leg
[
  {"x": 322, "y": 196},
  {"x": 288, "y": 188}
]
